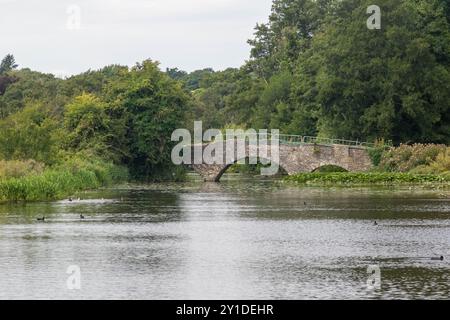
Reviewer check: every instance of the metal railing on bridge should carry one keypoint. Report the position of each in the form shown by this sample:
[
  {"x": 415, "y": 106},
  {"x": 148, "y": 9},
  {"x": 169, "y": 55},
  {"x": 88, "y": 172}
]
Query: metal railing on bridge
[
  {"x": 294, "y": 139},
  {"x": 301, "y": 140}
]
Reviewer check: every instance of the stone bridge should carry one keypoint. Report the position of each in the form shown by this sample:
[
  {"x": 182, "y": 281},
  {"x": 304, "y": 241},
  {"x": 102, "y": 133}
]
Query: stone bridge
[{"x": 294, "y": 158}]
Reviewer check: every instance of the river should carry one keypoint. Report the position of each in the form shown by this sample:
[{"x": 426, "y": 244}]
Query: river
[{"x": 244, "y": 238}]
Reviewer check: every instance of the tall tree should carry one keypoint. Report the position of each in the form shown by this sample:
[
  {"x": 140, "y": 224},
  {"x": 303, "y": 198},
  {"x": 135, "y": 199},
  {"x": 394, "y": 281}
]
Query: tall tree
[
  {"x": 8, "y": 63},
  {"x": 152, "y": 106},
  {"x": 392, "y": 83},
  {"x": 278, "y": 43},
  {"x": 31, "y": 133}
]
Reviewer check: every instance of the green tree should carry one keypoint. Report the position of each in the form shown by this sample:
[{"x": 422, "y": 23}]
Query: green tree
[
  {"x": 8, "y": 63},
  {"x": 291, "y": 27},
  {"x": 154, "y": 106},
  {"x": 392, "y": 83},
  {"x": 176, "y": 73},
  {"x": 27, "y": 86},
  {"x": 88, "y": 126},
  {"x": 32, "y": 133},
  {"x": 93, "y": 81}
]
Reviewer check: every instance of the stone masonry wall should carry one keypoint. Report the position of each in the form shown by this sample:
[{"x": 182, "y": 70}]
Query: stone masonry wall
[{"x": 295, "y": 159}]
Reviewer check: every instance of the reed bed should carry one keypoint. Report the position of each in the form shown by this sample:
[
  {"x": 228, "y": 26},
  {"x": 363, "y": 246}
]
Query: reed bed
[{"x": 61, "y": 181}]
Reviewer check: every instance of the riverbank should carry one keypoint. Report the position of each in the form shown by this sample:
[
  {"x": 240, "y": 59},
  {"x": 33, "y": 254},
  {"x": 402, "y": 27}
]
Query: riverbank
[
  {"x": 373, "y": 178},
  {"x": 61, "y": 181}
]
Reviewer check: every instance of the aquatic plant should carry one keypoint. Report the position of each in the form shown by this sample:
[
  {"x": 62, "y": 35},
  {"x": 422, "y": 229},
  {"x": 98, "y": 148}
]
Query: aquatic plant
[{"x": 368, "y": 178}]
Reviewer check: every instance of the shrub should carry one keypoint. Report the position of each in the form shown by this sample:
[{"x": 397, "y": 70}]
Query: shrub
[
  {"x": 440, "y": 165},
  {"x": 442, "y": 162},
  {"x": 376, "y": 153},
  {"x": 408, "y": 157}
]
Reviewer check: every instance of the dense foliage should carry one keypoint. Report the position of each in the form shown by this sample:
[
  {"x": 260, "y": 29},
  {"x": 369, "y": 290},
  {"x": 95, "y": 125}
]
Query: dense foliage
[
  {"x": 316, "y": 69},
  {"x": 120, "y": 115}
]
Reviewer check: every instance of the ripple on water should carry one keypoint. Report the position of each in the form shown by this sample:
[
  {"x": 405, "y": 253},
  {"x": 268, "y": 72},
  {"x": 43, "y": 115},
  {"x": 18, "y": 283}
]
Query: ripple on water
[{"x": 235, "y": 240}]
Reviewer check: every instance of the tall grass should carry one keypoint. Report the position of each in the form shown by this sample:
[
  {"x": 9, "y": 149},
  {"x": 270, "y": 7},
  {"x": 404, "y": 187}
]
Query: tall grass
[
  {"x": 61, "y": 181},
  {"x": 386, "y": 178}
]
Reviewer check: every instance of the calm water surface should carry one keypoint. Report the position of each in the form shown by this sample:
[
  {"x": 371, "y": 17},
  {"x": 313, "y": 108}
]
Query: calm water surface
[{"x": 241, "y": 239}]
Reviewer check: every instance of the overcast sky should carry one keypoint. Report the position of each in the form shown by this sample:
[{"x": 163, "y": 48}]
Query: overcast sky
[{"x": 45, "y": 35}]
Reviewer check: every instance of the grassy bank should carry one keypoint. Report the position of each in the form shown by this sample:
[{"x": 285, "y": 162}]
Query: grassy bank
[
  {"x": 347, "y": 178},
  {"x": 61, "y": 181}
]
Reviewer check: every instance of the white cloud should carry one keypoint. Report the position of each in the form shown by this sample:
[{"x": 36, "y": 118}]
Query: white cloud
[{"x": 188, "y": 34}]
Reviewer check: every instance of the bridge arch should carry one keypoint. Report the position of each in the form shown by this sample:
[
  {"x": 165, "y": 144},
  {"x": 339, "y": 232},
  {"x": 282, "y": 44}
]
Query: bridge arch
[
  {"x": 227, "y": 166},
  {"x": 330, "y": 168}
]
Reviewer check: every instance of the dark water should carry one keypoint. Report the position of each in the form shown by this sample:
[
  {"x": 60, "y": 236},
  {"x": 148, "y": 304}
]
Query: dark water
[{"x": 241, "y": 239}]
